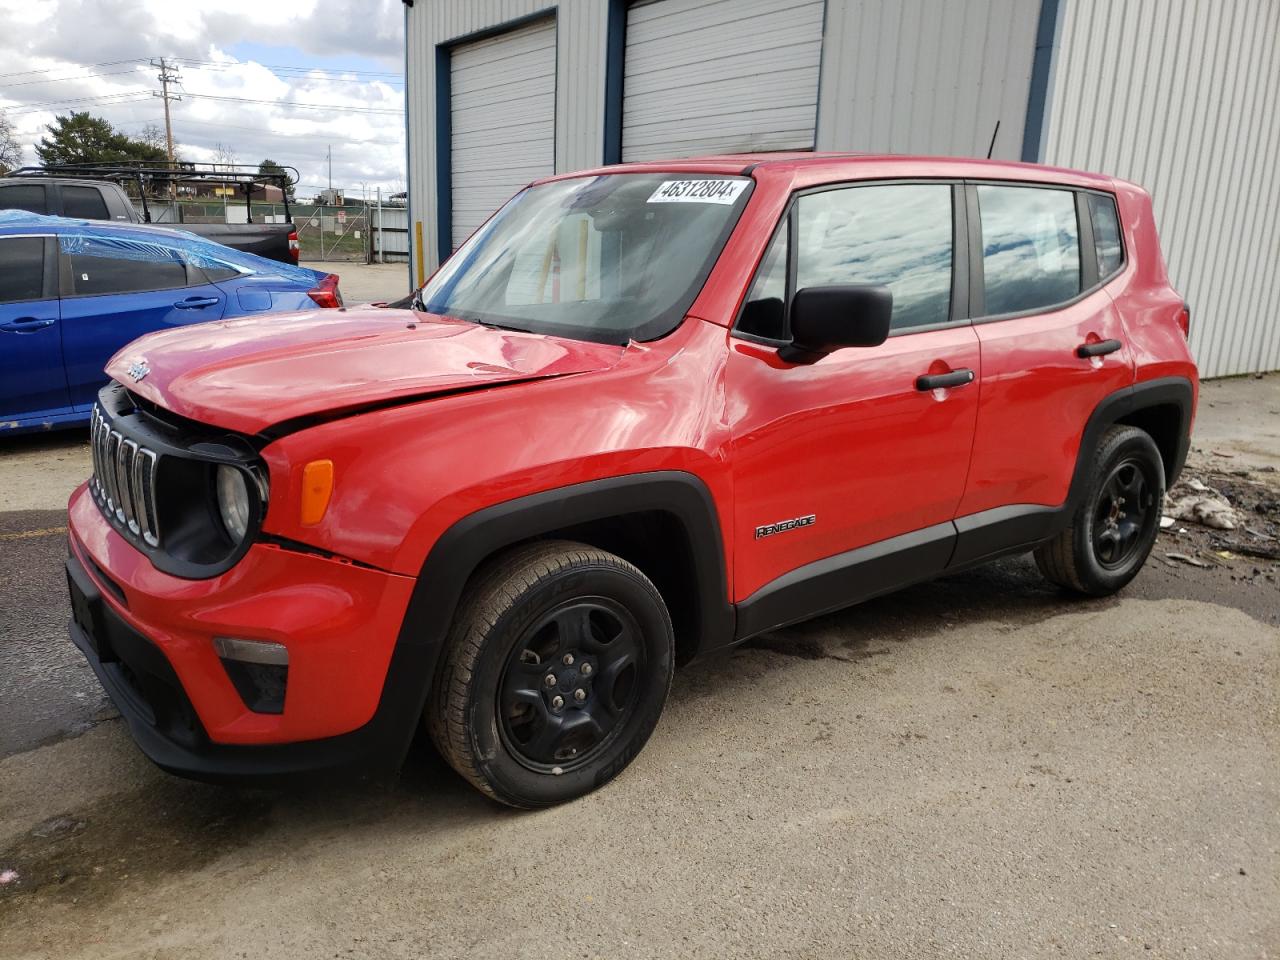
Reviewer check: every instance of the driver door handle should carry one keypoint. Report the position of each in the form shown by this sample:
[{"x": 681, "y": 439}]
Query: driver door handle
[
  {"x": 939, "y": 381},
  {"x": 26, "y": 325},
  {"x": 196, "y": 303}
]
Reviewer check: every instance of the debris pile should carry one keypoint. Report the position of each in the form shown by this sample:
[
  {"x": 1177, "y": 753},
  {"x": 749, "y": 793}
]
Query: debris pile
[{"x": 1221, "y": 517}]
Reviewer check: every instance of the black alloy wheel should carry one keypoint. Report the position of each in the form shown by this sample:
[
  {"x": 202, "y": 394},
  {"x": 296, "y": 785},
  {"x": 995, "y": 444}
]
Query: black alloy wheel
[
  {"x": 1123, "y": 514},
  {"x": 569, "y": 683}
]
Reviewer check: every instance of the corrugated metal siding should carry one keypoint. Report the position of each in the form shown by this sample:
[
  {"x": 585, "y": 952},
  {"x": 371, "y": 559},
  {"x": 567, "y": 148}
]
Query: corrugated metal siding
[
  {"x": 503, "y": 125},
  {"x": 581, "y": 28},
  {"x": 725, "y": 76},
  {"x": 924, "y": 77},
  {"x": 1182, "y": 99}
]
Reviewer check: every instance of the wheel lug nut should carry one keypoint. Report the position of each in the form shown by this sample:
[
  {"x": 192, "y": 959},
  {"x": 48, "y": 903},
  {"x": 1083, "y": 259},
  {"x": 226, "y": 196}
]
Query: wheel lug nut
[
  {"x": 586, "y": 670},
  {"x": 579, "y": 694},
  {"x": 549, "y": 679},
  {"x": 567, "y": 659},
  {"x": 557, "y": 701}
]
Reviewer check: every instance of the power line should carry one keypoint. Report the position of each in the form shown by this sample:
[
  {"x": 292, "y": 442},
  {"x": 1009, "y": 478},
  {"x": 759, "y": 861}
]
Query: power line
[
  {"x": 280, "y": 66},
  {"x": 85, "y": 76},
  {"x": 344, "y": 108},
  {"x": 105, "y": 63},
  {"x": 265, "y": 131},
  {"x": 107, "y": 99}
]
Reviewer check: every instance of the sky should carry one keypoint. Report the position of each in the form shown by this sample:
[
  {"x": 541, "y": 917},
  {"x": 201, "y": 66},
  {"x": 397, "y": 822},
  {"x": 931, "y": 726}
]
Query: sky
[{"x": 264, "y": 61}]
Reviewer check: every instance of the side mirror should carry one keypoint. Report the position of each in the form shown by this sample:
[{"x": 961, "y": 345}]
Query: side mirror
[{"x": 824, "y": 319}]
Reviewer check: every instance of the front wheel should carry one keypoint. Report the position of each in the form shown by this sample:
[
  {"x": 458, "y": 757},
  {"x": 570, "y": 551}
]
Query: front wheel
[
  {"x": 1113, "y": 530},
  {"x": 557, "y": 668}
]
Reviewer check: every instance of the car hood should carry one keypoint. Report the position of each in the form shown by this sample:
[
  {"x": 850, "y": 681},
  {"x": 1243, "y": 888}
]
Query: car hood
[{"x": 252, "y": 373}]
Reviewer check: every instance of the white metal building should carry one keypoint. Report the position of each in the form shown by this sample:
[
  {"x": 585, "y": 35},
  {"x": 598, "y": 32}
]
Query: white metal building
[{"x": 1178, "y": 95}]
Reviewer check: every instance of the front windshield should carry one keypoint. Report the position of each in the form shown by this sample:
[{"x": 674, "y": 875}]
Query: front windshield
[{"x": 610, "y": 258}]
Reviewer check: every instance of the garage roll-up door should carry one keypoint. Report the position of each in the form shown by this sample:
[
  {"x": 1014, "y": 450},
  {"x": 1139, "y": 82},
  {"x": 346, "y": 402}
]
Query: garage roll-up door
[
  {"x": 502, "y": 93},
  {"x": 727, "y": 76}
]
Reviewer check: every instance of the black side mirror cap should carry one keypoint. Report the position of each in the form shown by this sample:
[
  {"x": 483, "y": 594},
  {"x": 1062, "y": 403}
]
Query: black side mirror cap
[{"x": 826, "y": 318}]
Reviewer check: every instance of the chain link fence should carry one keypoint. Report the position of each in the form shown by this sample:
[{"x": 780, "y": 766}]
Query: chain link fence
[{"x": 338, "y": 233}]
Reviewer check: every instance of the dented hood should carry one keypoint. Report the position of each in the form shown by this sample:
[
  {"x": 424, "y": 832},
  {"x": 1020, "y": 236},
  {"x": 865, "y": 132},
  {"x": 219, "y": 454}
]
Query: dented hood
[{"x": 256, "y": 372}]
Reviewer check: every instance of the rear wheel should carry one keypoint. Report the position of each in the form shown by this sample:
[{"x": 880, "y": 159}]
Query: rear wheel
[
  {"x": 1113, "y": 530},
  {"x": 557, "y": 668}
]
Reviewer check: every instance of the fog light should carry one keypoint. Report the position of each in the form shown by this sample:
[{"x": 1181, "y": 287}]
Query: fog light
[{"x": 258, "y": 669}]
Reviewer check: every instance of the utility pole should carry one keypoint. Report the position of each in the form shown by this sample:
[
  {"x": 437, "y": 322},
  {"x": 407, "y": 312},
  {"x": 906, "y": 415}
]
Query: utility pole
[
  {"x": 167, "y": 76},
  {"x": 331, "y": 173}
]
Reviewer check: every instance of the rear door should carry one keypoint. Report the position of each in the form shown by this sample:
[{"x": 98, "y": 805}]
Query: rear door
[
  {"x": 1052, "y": 342},
  {"x": 33, "y": 383},
  {"x": 854, "y": 450},
  {"x": 115, "y": 289}
]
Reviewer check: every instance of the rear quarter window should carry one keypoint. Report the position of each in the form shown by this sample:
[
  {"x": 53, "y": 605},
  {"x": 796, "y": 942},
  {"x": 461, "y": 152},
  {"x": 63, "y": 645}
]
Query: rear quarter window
[{"x": 1108, "y": 246}]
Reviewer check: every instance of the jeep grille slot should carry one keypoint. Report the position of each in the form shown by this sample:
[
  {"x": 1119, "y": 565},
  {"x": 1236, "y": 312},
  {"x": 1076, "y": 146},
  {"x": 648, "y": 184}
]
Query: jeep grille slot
[{"x": 124, "y": 480}]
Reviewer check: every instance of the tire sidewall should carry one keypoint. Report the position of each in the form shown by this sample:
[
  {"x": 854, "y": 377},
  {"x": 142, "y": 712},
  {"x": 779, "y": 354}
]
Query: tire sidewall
[
  {"x": 1133, "y": 444},
  {"x": 510, "y": 778}
]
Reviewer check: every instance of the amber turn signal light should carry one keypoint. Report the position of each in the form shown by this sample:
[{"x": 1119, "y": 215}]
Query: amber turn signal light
[{"x": 317, "y": 487}]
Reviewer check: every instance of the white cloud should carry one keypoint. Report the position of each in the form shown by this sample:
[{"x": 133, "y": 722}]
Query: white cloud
[{"x": 99, "y": 48}]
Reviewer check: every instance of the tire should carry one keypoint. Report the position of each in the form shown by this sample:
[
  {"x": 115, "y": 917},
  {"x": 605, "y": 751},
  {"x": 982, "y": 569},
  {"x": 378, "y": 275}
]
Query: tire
[
  {"x": 539, "y": 627},
  {"x": 1113, "y": 530}
]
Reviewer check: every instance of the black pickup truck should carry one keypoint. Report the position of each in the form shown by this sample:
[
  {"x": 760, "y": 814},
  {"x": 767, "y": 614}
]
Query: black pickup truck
[{"x": 96, "y": 194}]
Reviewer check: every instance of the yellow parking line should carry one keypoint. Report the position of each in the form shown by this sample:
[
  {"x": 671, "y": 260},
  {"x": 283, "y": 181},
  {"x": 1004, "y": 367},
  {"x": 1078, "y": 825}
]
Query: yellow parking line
[{"x": 32, "y": 534}]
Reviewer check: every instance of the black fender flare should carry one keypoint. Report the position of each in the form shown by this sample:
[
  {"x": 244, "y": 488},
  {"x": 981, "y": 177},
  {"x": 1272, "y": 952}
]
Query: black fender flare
[
  {"x": 470, "y": 540},
  {"x": 1166, "y": 391}
]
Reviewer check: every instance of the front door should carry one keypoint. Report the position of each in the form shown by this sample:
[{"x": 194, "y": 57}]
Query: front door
[
  {"x": 853, "y": 450},
  {"x": 33, "y": 384}
]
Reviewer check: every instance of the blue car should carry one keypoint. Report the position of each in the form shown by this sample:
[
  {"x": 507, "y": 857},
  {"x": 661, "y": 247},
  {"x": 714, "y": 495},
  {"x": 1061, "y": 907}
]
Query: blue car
[{"x": 73, "y": 292}]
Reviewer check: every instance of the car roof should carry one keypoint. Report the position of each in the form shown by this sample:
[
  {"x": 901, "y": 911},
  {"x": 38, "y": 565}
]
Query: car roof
[
  {"x": 21, "y": 222},
  {"x": 51, "y": 178},
  {"x": 812, "y": 165}
]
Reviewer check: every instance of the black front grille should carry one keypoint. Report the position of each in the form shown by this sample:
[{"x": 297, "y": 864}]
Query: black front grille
[{"x": 124, "y": 480}]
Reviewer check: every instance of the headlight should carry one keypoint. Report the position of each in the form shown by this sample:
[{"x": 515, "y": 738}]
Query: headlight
[{"x": 233, "y": 501}]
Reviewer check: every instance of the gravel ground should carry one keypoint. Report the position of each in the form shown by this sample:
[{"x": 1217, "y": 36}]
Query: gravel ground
[{"x": 978, "y": 767}]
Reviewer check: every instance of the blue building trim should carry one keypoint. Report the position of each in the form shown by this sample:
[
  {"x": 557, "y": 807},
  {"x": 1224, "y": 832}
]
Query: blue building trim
[
  {"x": 614, "y": 59},
  {"x": 408, "y": 158},
  {"x": 444, "y": 153},
  {"x": 1041, "y": 67}
]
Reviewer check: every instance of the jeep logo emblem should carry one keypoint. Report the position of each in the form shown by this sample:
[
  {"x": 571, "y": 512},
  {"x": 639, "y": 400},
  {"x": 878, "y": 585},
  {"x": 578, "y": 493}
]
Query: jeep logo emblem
[{"x": 138, "y": 369}]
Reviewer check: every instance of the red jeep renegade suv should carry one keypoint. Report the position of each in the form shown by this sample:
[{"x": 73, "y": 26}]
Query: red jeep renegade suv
[{"x": 644, "y": 412}]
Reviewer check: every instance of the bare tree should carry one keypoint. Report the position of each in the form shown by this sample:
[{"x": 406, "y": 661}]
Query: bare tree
[
  {"x": 10, "y": 149},
  {"x": 224, "y": 153},
  {"x": 153, "y": 136}
]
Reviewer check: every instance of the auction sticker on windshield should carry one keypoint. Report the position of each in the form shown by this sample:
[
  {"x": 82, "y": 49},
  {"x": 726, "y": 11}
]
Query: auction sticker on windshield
[{"x": 698, "y": 191}]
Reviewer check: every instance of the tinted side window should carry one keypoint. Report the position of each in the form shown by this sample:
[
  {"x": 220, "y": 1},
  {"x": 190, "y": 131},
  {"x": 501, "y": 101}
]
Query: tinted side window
[
  {"x": 1106, "y": 234},
  {"x": 1030, "y": 247},
  {"x": 764, "y": 313},
  {"x": 115, "y": 265},
  {"x": 899, "y": 235},
  {"x": 21, "y": 268},
  {"x": 24, "y": 196},
  {"x": 84, "y": 203}
]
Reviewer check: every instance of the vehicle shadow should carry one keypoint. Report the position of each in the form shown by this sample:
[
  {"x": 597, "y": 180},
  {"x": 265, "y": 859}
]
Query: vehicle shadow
[{"x": 169, "y": 826}]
